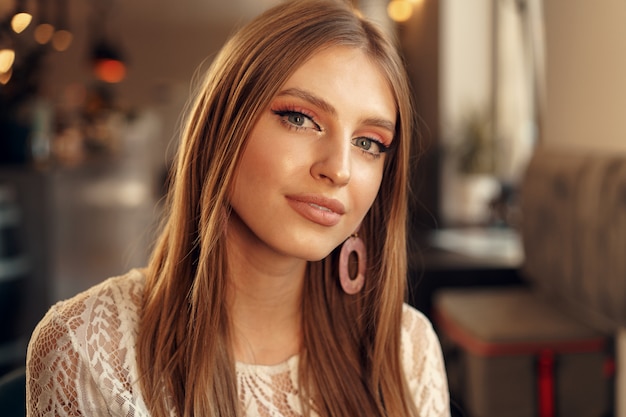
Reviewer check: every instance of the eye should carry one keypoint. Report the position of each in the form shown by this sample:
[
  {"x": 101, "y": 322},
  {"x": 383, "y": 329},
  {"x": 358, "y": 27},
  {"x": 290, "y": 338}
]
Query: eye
[
  {"x": 297, "y": 119},
  {"x": 369, "y": 145}
]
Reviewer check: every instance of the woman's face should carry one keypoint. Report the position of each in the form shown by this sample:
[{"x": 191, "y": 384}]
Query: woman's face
[{"x": 313, "y": 162}]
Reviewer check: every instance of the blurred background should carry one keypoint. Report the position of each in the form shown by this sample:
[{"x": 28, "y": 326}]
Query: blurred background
[{"x": 92, "y": 93}]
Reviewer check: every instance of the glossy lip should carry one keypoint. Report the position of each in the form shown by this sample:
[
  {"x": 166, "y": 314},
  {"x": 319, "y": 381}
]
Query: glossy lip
[{"x": 318, "y": 209}]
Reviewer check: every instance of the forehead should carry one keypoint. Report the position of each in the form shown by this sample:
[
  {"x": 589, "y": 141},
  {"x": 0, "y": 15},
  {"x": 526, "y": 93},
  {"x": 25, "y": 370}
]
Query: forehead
[{"x": 346, "y": 75}]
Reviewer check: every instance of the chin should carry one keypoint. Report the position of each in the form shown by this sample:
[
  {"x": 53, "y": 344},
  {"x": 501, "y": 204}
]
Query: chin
[
  {"x": 312, "y": 255},
  {"x": 308, "y": 247},
  {"x": 317, "y": 258}
]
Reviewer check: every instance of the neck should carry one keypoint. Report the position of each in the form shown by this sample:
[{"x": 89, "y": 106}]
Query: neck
[{"x": 265, "y": 303}]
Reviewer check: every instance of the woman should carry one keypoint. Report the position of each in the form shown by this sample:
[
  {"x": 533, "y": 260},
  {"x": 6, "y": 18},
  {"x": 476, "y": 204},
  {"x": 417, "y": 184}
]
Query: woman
[{"x": 292, "y": 165}]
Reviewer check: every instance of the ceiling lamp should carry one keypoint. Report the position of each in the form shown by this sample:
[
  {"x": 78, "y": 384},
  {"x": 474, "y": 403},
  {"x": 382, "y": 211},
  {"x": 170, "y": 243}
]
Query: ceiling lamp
[
  {"x": 62, "y": 38},
  {"x": 22, "y": 18},
  {"x": 43, "y": 33},
  {"x": 107, "y": 60},
  {"x": 400, "y": 10},
  {"x": 45, "y": 29},
  {"x": 7, "y": 57},
  {"x": 108, "y": 65},
  {"x": 20, "y": 21},
  {"x": 21, "y": 57},
  {"x": 5, "y": 77}
]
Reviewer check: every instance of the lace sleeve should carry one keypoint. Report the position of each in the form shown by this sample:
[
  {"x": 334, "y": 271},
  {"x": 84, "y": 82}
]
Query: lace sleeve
[
  {"x": 81, "y": 358},
  {"x": 59, "y": 381},
  {"x": 424, "y": 365}
]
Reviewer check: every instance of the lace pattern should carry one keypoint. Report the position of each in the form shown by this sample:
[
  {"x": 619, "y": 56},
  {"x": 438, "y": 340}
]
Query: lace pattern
[{"x": 81, "y": 361}]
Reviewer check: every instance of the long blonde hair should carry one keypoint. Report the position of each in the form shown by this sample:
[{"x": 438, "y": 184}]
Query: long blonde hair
[{"x": 350, "y": 362}]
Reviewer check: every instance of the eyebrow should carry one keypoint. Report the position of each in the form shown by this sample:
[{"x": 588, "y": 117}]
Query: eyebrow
[{"x": 328, "y": 108}]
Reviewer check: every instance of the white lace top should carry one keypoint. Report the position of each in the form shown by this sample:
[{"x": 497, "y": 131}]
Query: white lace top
[{"x": 81, "y": 361}]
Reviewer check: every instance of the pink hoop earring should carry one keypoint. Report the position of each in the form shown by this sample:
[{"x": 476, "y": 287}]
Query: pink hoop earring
[{"x": 356, "y": 245}]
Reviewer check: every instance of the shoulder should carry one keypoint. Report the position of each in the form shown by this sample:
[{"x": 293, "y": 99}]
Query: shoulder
[
  {"x": 88, "y": 341},
  {"x": 419, "y": 342},
  {"x": 100, "y": 320},
  {"x": 119, "y": 296},
  {"x": 105, "y": 311},
  {"x": 414, "y": 322},
  {"x": 110, "y": 307},
  {"x": 422, "y": 360}
]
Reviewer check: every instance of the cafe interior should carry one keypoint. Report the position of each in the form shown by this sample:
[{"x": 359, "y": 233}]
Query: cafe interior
[{"x": 517, "y": 250}]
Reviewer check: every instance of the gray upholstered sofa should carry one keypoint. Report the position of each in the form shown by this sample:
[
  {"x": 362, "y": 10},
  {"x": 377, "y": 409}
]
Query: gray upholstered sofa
[{"x": 574, "y": 232}]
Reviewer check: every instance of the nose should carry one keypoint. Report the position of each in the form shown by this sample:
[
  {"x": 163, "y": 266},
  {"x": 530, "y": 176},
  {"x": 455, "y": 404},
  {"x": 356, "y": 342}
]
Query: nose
[{"x": 332, "y": 162}]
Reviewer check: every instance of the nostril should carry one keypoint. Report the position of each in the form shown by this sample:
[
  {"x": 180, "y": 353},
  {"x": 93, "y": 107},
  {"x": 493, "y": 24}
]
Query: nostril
[{"x": 331, "y": 170}]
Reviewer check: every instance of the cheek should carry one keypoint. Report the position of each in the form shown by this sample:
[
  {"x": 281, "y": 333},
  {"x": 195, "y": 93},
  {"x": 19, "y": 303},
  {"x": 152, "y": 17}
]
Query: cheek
[
  {"x": 366, "y": 188},
  {"x": 251, "y": 172},
  {"x": 270, "y": 152},
  {"x": 257, "y": 161}
]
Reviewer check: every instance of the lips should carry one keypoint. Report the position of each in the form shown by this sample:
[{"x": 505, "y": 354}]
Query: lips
[{"x": 318, "y": 209}]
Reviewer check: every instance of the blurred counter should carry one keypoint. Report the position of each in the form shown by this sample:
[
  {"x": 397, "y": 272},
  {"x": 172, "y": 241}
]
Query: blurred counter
[
  {"x": 464, "y": 257},
  {"x": 78, "y": 226}
]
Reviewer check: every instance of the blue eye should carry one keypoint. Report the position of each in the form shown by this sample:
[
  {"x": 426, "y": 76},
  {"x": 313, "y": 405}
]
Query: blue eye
[
  {"x": 369, "y": 145},
  {"x": 364, "y": 143},
  {"x": 296, "y": 119}
]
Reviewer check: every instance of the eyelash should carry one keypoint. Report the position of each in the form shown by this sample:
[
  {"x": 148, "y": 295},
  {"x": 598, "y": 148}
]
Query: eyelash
[
  {"x": 381, "y": 147},
  {"x": 282, "y": 113}
]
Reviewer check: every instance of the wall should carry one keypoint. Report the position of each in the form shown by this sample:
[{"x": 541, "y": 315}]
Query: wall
[
  {"x": 465, "y": 56},
  {"x": 419, "y": 40},
  {"x": 586, "y": 74},
  {"x": 465, "y": 90}
]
